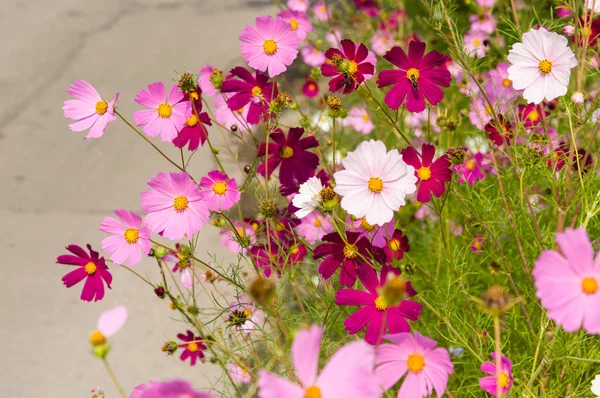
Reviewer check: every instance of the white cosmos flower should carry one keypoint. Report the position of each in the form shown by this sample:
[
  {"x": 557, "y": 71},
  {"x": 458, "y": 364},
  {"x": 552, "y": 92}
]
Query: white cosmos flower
[
  {"x": 308, "y": 197},
  {"x": 595, "y": 4},
  {"x": 596, "y": 386},
  {"x": 374, "y": 182},
  {"x": 541, "y": 65}
]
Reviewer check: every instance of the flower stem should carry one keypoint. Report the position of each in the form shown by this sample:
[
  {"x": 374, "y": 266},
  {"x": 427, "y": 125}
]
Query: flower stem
[
  {"x": 498, "y": 355},
  {"x": 114, "y": 378}
]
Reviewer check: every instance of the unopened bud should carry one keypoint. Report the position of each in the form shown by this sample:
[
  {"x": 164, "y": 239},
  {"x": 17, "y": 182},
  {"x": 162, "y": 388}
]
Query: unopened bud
[
  {"x": 216, "y": 78},
  {"x": 496, "y": 300},
  {"x": 159, "y": 291},
  {"x": 393, "y": 290},
  {"x": 268, "y": 209},
  {"x": 169, "y": 347},
  {"x": 280, "y": 102},
  {"x": 335, "y": 106},
  {"x": 261, "y": 290},
  {"x": 159, "y": 251},
  {"x": 458, "y": 155},
  {"x": 327, "y": 193},
  {"x": 247, "y": 168},
  {"x": 577, "y": 98},
  {"x": 187, "y": 83}
]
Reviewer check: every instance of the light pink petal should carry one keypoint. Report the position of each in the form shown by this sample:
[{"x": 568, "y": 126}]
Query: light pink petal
[
  {"x": 576, "y": 246},
  {"x": 111, "y": 321},
  {"x": 175, "y": 95},
  {"x": 84, "y": 124},
  {"x": 271, "y": 386},
  {"x": 111, "y": 226},
  {"x": 84, "y": 91},
  {"x": 305, "y": 354},
  {"x": 76, "y": 109},
  {"x": 186, "y": 279}
]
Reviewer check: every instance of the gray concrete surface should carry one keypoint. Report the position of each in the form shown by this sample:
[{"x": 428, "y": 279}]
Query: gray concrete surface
[{"x": 56, "y": 187}]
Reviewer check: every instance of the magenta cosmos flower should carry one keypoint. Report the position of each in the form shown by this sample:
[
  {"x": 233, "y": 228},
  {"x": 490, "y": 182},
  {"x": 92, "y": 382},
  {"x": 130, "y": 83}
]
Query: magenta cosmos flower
[
  {"x": 192, "y": 347},
  {"x": 347, "y": 256},
  {"x": 89, "y": 109},
  {"x": 175, "y": 206},
  {"x": 500, "y": 132},
  {"x": 272, "y": 46},
  {"x": 349, "y": 372},
  {"x": 194, "y": 131},
  {"x": 254, "y": 90},
  {"x": 426, "y": 366},
  {"x": 291, "y": 153},
  {"x": 419, "y": 78},
  {"x": 472, "y": 170},
  {"x": 375, "y": 313},
  {"x": 396, "y": 246},
  {"x": 91, "y": 267},
  {"x": 130, "y": 237},
  {"x": 505, "y": 379},
  {"x": 431, "y": 175},
  {"x": 349, "y": 66},
  {"x": 168, "y": 389},
  {"x": 219, "y": 191},
  {"x": 167, "y": 115},
  {"x": 567, "y": 284}
]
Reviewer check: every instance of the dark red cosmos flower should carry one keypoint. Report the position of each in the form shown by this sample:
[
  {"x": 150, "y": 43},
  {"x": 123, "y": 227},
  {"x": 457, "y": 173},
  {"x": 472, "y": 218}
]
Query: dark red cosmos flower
[
  {"x": 593, "y": 31},
  {"x": 397, "y": 245},
  {"x": 192, "y": 348},
  {"x": 531, "y": 115},
  {"x": 291, "y": 152},
  {"x": 501, "y": 133},
  {"x": 194, "y": 131},
  {"x": 417, "y": 80},
  {"x": 310, "y": 88},
  {"x": 368, "y": 6},
  {"x": 266, "y": 257},
  {"x": 375, "y": 313},
  {"x": 256, "y": 90},
  {"x": 560, "y": 158},
  {"x": 348, "y": 257},
  {"x": 90, "y": 267},
  {"x": 431, "y": 176},
  {"x": 348, "y": 66}
]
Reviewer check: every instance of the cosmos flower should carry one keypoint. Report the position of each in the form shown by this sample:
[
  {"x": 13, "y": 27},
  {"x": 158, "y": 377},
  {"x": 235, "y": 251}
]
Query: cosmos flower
[
  {"x": 219, "y": 191},
  {"x": 232, "y": 120},
  {"x": 396, "y": 246},
  {"x": 205, "y": 80},
  {"x": 244, "y": 316},
  {"x": 298, "y": 5},
  {"x": 88, "y": 109},
  {"x": 531, "y": 115},
  {"x": 377, "y": 235},
  {"x": 349, "y": 372},
  {"x": 375, "y": 313},
  {"x": 374, "y": 182},
  {"x": 310, "y": 88},
  {"x": 167, "y": 114},
  {"x": 426, "y": 366},
  {"x": 381, "y": 42},
  {"x": 431, "y": 176},
  {"x": 501, "y": 132},
  {"x": 567, "y": 284},
  {"x": 90, "y": 267},
  {"x": 254, "y": 90},
  {"x": 541, "y": 65},
  {"x": 313, "y": 227},
  {"x": 194, "y": 132},
  {"x": 358, "y": 118},
  {"x": 175, "y": 206},
  {"x": 505, "y": 379},
  {"x": 596, "y": 386},
  {"x": 476, "y": 44},
  {"x": 298, "y": 21},
  {"x": 238, "y": 374},
  {"x": 418, "y": 79},
  {"x": 483, "y": 22},
  {"x": 229, "y": 238},
  {"x": 271, "y": 46},
  {"x": 308, "y": 199},
  {"x": 168, "y": 389},
  {"x": 131, "y": 238},
  {"x": 348, "y": 66},
  {"x": 312, "y": 56},
  {"x": 109, "y": 323},
  {"x": 472, "y": 170},
  {"x": 192, "y": 347},
  {"x": 321, "y": 11}
]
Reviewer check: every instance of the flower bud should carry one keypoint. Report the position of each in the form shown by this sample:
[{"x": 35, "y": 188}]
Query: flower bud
[
  {"x": 247, "y": 168},
  {"x": 457, "y": 155},
  {"x": 187, "y": 82},
  {"x": 315, "y": 74},
  {"x": 569, "y": 30},
  {"x": 97, "y": 393},
  {"x": 335, "y": 106},
  {"x": 280, "y": 102},
  {"x": 159, "y": 251},
  {"x": 216, "y": 78},
  {"x": 577, "y": 98},
  {"x": 169, "y": 347},
  {"x": 101, "y": 351},
  {"x": 327, "y": 193},
  {"x": 234, "y": 128},
  {"x": 268, "y": 209},
  {"x": 159, "y": 291},
  {"x": 496, "y": 300},
  {"x": 393, "y": 290},
  {"x": 261, "y": 290}
]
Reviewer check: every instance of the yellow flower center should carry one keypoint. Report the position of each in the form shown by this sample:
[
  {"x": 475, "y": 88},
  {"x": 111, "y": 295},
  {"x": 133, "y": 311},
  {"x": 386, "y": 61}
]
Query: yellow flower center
[
  {"x": 352, "y": 67},
  {"x": 424, "y": 173},
  {"x": 194, "y": 96},
  {"x": 413, "y": 74},
  {"x": 101, "y": 107},
  {"x": 366, "y": 226},
  {"x": 294, "y": 24},
  {"x": 470, "y": 164},
  {"x": 311, "y": 87},
  {"x": 375, "y": 184},
  {"x": 256, "y": 91},
  {"x": 533, "y": 115},
  {"x": 220, "y": 188},
  {"x": 366, "y": 117},
  {"x": 270, "y": 47},
  {"x": 295, "y": 250},
  {"x": 350, "y": 251},
  {"x": 192, "y": 121},
  {"x": 287, "y": 152},
  {"x": 506, "y": 82},
  {"x": 589, "y": 285},
  {"x": 503, "y": 380},
  {"x": 193, "y": 347},
  {"x": 132, "y": 235},
  {"x": 317, "y": 223},
  {"x": 165, "y": 111},
  {"x": 255, "y": 226},
  {"x": 488, "y": 110},
  {"x": 476, "y": 42},
  {"x": 394, "y": 245},
  {"x": 380, "y": 304},
  {"x": 97, "y": 338},
  {"x": 90, "y": 268},
  {"x": 180, "y": 203},
  {"x": 312, "y": 392},
  {"x": 247, "y": 312},
  {"x": 415, "y": 363},
  {"x": 545, "y": 66}
]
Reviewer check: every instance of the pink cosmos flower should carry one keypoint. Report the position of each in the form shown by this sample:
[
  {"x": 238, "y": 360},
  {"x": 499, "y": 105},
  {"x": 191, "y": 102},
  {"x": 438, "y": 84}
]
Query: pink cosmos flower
[
  {"x": 321, "y": 11},
  {"x": 244, "y": 316},
  {"x": 472, "y": 170},
  {"x": 89, "y": 109},
  {"x": 476, "y": 44},
  {"x": 431, "y": 176},
  {"x": 220, "y": 192},
  {"x": 349, "y": 372},
  {"x": 567, "y": 284},
  {"x": 418, "y": 79},
  {"x": 480, "y": 113},
  {"x": 111, "y": 321},
  {"x": 505, "y": 379},
  {"x": 298, "y": 5},
  {"x": 375, "y": 234},
  {"x": 298, "y": 21},
  {"x": 130, "y": 237},
  {"x": 166, "y": 117},
  {"x": 233, "y": 120},
  {"x": 175, "y": 206},
  {"x": 483, "y": 22},
  {"x": 374, "y": 182},
  {"x": 168, "y": 389},
  {"x": 313, "y": 227},
  {"x": 229, "y": 239},
  {"x": 358, "y": 118},
  {"x": 192, "y": 347},
  {"x": 500, "y": 84},
  {"x": 312, "y": 56},
  {"x": 486, "y": 3},
  {"x": 531, "y": 115},
  {"x": 238, "y": 374},
  {"x": 381, "y": 42},
  {"x": 426, "y": 366},
  {"x": 350, "y": 66},
  {"x": 272, "y": 46},
  {"x": 204, "y": 79},
  {"x": 91, "y": 267},
  {"x": 375, "y": 313}
]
